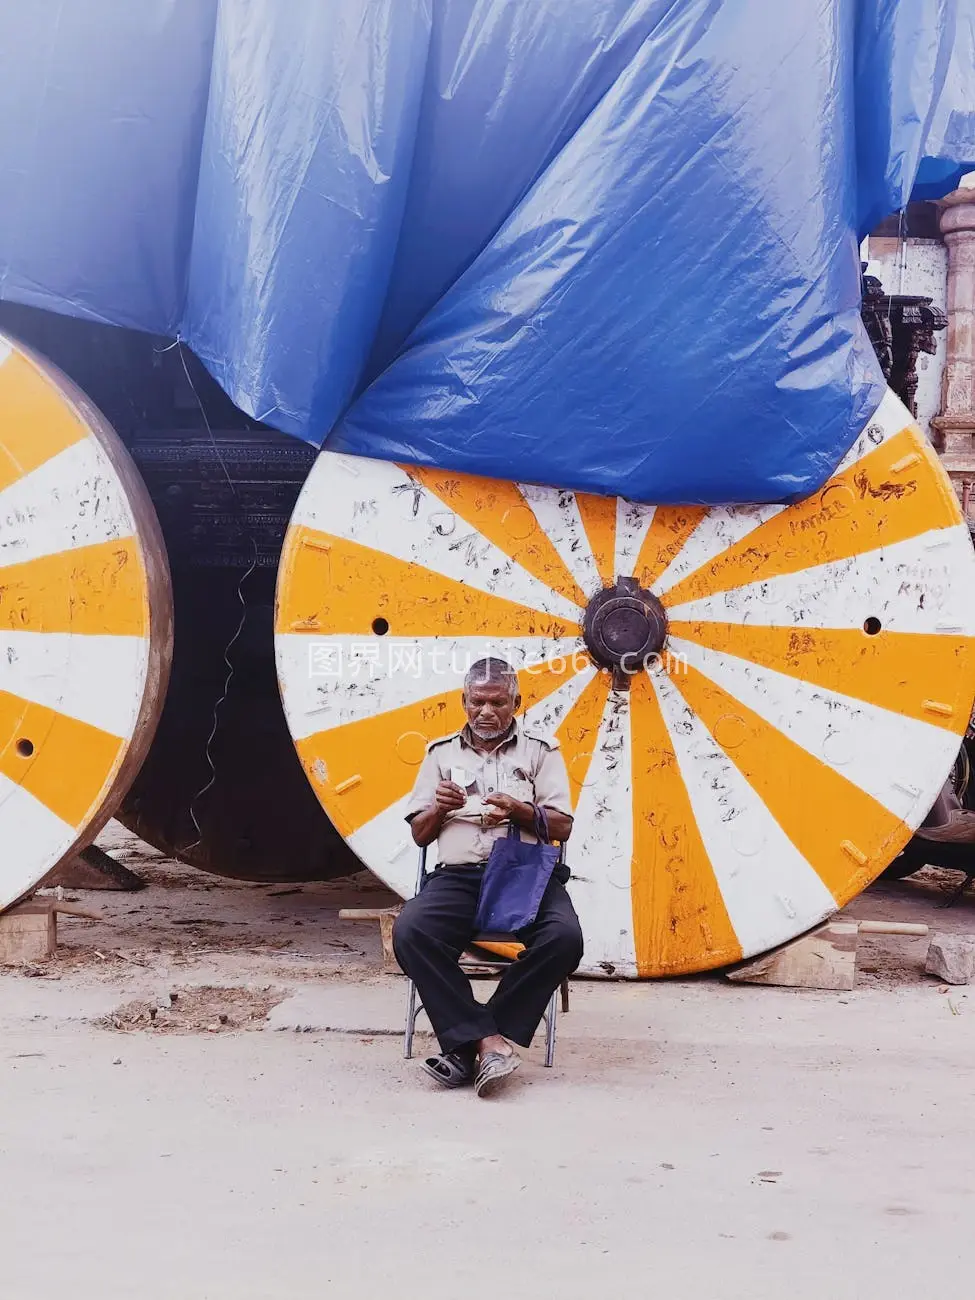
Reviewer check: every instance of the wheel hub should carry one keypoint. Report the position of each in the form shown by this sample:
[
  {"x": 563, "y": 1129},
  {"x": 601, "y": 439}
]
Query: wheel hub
[{"x": 624, "y": 626}]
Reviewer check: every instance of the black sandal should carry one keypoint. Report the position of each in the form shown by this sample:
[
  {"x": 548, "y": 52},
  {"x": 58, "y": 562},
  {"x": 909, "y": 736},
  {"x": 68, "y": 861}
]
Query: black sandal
[{"x": 450, "y": 1069}]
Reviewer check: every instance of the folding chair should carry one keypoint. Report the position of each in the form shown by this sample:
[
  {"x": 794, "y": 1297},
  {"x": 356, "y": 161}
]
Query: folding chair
[{"x": 414, "y": 1007}]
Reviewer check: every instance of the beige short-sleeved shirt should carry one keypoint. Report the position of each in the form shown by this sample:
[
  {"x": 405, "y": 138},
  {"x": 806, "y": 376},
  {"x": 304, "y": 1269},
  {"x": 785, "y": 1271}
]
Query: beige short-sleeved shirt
[{"x": 525, "y": 765}]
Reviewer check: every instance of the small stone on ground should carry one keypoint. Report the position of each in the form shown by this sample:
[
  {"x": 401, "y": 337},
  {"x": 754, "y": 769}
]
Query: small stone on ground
[{"x": 951, "y": 957}]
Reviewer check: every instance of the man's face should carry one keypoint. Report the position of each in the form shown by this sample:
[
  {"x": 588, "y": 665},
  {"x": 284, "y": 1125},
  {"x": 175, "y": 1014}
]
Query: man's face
[{"x": 490, "y": 706}]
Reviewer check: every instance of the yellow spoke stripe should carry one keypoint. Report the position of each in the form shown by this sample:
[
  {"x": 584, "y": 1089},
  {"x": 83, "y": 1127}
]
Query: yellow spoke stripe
[
  {"x": 666, "y": 537},
  {"x": 499, "y": 512},
  {"x": 96, "y": 590},
  {"x": 363, "y": 767},
  {"x": 885, "y": 670},
  {"x": 598, "y": 515},
  {"x": 678, "y": 910},
  {"x": 35, "y": 420},
  {"x": 340, "y": 587},
  {"x": 64, "y": 763},
  {"x": 842, "y": 832},
  {"x": 892, "y": 494}
]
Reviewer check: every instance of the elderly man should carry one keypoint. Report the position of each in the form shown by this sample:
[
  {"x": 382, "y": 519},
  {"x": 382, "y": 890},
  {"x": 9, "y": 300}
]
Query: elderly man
[{"x": 471, "y": 787}]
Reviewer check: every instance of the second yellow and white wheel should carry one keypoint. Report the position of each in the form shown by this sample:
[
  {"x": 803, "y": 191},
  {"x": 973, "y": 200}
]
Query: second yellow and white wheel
[
  {"x": 85, "y": 620},
  {"x": 795, "y": 681}
]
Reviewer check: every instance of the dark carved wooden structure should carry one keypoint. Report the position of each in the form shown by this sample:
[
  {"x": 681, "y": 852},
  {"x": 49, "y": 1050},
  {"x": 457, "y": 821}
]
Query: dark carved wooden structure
[{"x": 900, "y": 327}]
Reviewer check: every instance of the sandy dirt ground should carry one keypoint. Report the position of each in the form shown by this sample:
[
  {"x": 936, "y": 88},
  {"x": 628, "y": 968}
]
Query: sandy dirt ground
[{"x": 166, "y": 1133}]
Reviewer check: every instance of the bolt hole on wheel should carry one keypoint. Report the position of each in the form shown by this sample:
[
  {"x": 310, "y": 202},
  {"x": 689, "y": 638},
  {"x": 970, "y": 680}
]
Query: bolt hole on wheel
[
  {"x": 25, "y": 748},
  {"x": 380, "y": 626},
  {"x": 745, "y": 751}
]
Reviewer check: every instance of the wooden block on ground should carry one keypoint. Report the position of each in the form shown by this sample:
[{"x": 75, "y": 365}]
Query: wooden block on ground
[
  {"x": 390, "y": 964},
  {"x": 28, "y": 932},
  {"x": 823, "y": 959},
  {"x": 826, "y": 958},
  {"x": 93, "y": 868},
  {"x": 386, "y": 916}
]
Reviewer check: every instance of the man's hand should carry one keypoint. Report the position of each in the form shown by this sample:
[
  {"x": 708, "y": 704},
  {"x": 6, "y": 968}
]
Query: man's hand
[
  {"x": 507, "y": 809},
  {"x": 523, "y": 815},
  {"x": 449, "y": 796}
]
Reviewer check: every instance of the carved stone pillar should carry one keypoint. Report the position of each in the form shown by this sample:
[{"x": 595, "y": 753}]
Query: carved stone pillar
[{"x": 956, "y": 424}]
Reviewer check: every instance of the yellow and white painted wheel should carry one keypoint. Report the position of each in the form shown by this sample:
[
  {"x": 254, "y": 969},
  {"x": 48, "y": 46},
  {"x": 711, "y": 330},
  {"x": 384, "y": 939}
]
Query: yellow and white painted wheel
[
  {"x": 759, "y": 771},
  {"x": 85, "y": 620}
]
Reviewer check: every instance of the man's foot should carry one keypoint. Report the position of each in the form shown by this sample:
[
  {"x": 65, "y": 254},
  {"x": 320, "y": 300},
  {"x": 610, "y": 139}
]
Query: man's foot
[
  {"x": 493, "y": 1068},
  {"x": 450, "y": 1069},
  {"x": 494, "y": 1043}
]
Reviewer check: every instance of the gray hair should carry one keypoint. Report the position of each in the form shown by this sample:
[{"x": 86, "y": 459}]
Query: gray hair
[{"x": 491, "y": 672}]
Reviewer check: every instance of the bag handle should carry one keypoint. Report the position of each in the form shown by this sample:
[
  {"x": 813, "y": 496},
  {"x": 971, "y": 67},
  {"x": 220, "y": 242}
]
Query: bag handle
[
  {"x": 540, "y": 818},
  {"x": 541, "y": 824}
]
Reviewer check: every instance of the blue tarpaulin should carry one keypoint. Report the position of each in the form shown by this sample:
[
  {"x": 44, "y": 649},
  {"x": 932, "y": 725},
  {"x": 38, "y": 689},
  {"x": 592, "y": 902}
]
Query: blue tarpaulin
[{"x": 605, "y": 246}]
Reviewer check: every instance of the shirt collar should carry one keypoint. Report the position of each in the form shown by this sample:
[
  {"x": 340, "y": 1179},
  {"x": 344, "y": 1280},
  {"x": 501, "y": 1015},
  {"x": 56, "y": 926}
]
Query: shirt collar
[{"x": 466, "y": 738}]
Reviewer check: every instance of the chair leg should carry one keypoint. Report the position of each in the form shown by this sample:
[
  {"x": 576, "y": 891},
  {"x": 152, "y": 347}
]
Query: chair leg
[
  {"x": 550, "y": 1015},
  {"x": 411, "y": 1014},
  {"x": 565, "y": 995}
]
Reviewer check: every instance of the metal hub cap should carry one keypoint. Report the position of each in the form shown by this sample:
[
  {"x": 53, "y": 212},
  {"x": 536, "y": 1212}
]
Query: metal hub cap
[{"x": 624, "y": 626}]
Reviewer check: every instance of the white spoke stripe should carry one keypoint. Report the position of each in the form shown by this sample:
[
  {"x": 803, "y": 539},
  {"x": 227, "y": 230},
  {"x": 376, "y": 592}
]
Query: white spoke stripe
[
  {"x": 33, "y": 839},
  {"x": 376, "y": 504},
  {"x": 890, "y": 417},
  {"x": 770, "y": 891},
  {"x": 862, "y": 742},
  {"x": 385, "y": 844},
  {"x": 328, "y": 682},
  {"x": 600, "y": 849},
  {"x": 918, "y": 585},
  {"x": 719, "y": 529},
  {"x": 548, "y": 714},
  {"x": 558, "y": 515},
  {"x": 96, "y": 679},
  {"x": 632, "y": 525},
  {"x": 72, "y": 500}
]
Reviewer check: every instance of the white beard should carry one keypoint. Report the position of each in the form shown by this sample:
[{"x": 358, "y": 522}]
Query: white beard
[{"x": 493, "y": 733}]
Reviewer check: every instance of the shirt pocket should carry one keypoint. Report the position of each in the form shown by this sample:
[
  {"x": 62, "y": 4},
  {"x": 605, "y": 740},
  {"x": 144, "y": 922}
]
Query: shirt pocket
[{"x": 520, "y": 787}]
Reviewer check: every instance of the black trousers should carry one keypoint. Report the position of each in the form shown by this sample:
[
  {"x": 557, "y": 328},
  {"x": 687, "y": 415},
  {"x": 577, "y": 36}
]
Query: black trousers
[{"x": 436, "y": 926}]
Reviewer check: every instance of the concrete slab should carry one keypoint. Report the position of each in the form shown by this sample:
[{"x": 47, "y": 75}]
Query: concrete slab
[
  {"x": 340, "y": 1007},
  {"x": 677, "y": 1011},
  {"x": 24, "y": 1000}
]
